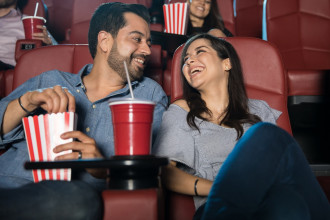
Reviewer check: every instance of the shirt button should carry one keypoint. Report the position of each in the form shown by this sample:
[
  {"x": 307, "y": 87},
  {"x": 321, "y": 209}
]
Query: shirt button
[
  {"x": 88, "y": 129},
  {"x": 78, "y": 90},
  {"x": 82, "y": 86},
  {"x": 94, "y": 106}
]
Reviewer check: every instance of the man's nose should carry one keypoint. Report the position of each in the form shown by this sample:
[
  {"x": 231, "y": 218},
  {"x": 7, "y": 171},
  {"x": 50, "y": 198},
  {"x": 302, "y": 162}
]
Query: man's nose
[{"x": 145, "y": 49}]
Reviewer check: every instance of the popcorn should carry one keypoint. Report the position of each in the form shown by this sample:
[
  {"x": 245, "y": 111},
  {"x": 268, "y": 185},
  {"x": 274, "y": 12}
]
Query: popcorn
[
  {"x": 42, "y": 135},
  {"x": 176, "y": 18}
]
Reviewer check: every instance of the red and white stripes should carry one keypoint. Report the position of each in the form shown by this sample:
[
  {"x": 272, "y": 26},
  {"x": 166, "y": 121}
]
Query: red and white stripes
[
  {"x": 176, "y": 18},
  {"x": 42, "y": 135}
]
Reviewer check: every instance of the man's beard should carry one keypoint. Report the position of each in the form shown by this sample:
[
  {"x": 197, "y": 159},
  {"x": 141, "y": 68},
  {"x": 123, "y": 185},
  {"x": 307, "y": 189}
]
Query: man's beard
[
  {"x": 116, "y": 62},
  {"x": 7, "y": 3}
]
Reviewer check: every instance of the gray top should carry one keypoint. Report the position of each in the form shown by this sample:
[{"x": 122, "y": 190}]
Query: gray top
[{"x": 202, "y": 153}]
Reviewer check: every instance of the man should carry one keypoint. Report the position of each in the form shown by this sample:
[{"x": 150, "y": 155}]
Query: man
[
  {"x": 12, "y": 30},
  {"x": 118, "y": 32}
]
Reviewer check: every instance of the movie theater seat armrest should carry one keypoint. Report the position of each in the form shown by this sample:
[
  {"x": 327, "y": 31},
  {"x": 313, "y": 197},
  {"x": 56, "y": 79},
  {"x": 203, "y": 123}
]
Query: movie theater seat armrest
[{"x": 132, "y": 204}]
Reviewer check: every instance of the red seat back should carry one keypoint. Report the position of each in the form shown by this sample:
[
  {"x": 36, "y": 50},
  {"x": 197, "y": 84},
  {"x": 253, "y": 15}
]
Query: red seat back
[
  {"x": 263, "y": 72},
  {"x": 249, "y": 18},
  {"x": 68, "y": 58},
  {"x": 227, "y": 13},
  {"x": 30, "y": 6},
  {"x": 301, "y": 31},
  {"x": 71, "y": 58}
]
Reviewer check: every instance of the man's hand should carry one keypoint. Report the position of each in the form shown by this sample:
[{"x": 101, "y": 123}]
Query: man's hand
[
  {"x": 85, "y": 145},
  {"x": 52, "y": 100}
]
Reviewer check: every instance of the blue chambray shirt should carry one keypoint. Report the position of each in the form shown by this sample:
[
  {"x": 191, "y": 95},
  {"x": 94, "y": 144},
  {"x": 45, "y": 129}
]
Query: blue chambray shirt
[{"x": 94, "y": 119}]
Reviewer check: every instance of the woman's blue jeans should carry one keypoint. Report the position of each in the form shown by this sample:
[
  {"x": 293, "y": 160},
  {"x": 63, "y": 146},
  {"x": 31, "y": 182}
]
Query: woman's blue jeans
[{"x": 266, "y": 177}]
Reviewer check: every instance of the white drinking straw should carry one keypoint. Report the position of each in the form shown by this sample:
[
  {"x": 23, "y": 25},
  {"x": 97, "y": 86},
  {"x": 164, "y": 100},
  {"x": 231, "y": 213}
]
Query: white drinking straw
[
  {"x": 36, "y": 9},
  {"x": 128, "y": 80}
]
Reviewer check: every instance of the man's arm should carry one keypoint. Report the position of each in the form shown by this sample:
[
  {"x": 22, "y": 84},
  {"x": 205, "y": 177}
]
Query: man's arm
[{"x": 52, "y": 100}]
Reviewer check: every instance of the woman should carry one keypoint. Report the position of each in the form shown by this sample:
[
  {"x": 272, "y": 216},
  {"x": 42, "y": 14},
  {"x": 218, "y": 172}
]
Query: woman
[
  {"x": 215, "y": 126},
  {"x": 205, "y": 17}
]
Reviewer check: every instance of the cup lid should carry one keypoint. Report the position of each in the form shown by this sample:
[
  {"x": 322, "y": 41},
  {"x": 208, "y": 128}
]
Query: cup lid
[
  {"x": 118, "y": 101},
  {"x": 37, "y": 17}
]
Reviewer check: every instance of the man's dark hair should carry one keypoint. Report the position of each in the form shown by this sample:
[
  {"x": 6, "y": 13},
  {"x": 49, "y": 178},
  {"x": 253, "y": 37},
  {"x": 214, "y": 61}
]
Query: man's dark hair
[{"x": 109, "y": 17}]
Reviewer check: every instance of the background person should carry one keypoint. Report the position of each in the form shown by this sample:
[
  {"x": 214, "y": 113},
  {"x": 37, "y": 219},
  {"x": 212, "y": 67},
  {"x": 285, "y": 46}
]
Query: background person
[
  {"x": 204, "y": 17},
  {"x": 11, "y": 30},
  {"x": 118, "y": 32}
]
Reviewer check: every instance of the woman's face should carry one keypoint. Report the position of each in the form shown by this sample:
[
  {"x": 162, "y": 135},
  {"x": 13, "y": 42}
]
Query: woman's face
[
  {"x": 200, "y": 8},
  {"x": 203, "y": 68}
]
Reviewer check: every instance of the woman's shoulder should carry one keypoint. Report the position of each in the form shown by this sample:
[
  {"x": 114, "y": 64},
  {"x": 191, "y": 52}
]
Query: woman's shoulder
[
  {"x": 182, "y": 104},
  {"x": 176, "y": 112},
  {"x": 262, "y": 109}
]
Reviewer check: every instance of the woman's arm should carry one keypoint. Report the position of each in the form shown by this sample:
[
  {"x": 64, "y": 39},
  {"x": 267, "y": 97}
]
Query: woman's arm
[{"x": 179, "y": 181}]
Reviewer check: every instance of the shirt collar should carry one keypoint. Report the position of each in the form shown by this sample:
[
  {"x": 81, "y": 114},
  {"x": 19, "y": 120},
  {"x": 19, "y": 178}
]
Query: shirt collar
[{"x": 78, "y": 82}]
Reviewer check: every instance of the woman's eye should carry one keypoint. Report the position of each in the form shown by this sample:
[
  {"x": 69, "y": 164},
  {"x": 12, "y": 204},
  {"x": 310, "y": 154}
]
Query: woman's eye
[{"x": 199, "y": 51}]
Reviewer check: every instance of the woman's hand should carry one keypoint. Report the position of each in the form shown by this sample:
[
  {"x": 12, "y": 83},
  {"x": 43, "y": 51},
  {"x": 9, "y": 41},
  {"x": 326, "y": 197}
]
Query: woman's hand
[
  {"x": 84, "y": 148},
  {"x": 43, "y": 36},
  {"x": 182, "y": 182}
]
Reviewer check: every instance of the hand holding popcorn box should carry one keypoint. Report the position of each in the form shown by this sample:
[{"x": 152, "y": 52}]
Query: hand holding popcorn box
[
  {"x": 42, "y": 135},
  {"x": 176, "y": 18}
]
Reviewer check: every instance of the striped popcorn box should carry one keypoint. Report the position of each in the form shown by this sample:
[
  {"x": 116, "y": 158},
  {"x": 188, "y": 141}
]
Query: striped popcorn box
[
  {"x": 42, "y": 135},
  {"x": 176, "y": 18}
]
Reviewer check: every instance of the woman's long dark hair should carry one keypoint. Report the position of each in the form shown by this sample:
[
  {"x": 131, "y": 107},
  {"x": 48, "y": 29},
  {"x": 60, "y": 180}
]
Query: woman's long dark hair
[
  {"x": 212, "y": 20},
  {"x": 237, "y": 112}
]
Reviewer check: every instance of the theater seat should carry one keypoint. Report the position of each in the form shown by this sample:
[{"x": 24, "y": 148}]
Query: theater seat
[
  {"x": 300, "y": 29},
  {"x": 227, "y": 13},
  {"x": 248, "y": 20},
  {"x": 30, "y": 6},
  {"x": 118, "y": 204},
  {"x": 2, "y": 84},
  {"x": 263, "y": 72},
  {"x": 70, "y": 58},
  {"x": 293, "y": 26},
  {"x": 264, "y": 76}
]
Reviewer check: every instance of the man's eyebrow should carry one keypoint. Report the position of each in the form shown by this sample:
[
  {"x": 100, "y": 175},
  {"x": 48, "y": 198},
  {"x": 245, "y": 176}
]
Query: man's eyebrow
[
  {"x": 136, "y": 32},
  {"x": 141, "y": 34}
]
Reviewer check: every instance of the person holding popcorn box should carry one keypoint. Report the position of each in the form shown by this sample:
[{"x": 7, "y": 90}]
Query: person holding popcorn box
[
  {"x": 118, "y": 32},
  {"x": 204, "y": 17}
]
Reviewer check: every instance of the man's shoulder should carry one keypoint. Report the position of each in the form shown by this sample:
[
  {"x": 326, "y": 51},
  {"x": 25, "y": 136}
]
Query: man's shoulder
[
  {"x": 53, "y": 74},
  {"x": 149, "y": 82}
]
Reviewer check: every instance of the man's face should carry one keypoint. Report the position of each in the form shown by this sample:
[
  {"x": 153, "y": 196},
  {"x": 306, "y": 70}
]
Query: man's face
[
  {"x": 132, "y": 45},
  {"x": 7, "y": 3}
]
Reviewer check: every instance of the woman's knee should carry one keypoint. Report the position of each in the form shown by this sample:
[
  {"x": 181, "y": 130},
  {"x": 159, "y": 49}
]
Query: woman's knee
[{"x": 283, "y": 203}]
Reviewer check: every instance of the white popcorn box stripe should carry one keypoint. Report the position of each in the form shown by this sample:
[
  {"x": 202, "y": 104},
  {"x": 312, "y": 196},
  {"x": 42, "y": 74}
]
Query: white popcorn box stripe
[
  {"x": 42, "y": 135},
  {"x": 176, "y": 18}
]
